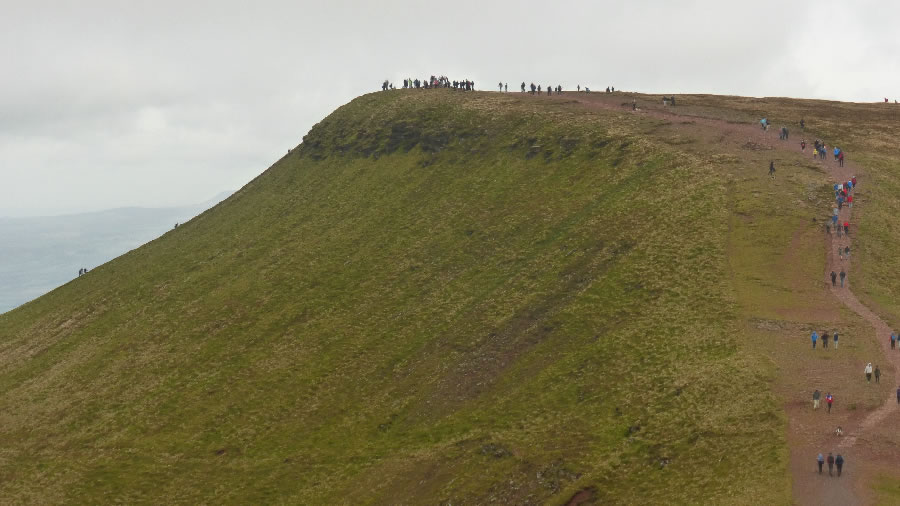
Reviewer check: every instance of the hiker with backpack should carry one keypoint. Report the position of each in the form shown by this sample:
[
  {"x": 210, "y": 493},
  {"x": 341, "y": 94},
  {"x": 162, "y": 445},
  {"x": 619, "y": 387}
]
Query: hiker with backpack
[
  {"x": 839, "y": 463},
  {"x": 829, "y": 400}
]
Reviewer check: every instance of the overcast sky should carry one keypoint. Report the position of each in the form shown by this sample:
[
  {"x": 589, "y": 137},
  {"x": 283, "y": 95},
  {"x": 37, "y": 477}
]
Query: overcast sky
[{"x": 162, "y": 103}]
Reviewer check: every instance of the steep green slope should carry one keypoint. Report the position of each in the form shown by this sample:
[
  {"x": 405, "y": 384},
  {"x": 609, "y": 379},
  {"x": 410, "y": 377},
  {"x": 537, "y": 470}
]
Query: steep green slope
[{"x": 438, "y": 297}]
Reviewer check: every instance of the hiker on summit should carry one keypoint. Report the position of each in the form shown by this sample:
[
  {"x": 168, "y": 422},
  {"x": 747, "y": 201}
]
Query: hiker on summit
[
  {"x": 820, "y": 460},
  {"x": 523, "y": 86},
  {"x": 833, "y": 278},
  {"x": 501, "y": 87},
  {"x": 877, "y": 374},
  {"x": 869, "y": 372},
  {"x": 505, "y": 87},
  {"x": 839, "y": 462},
  {"x": 578, "y": 88},
  {"x": 549, "y": 91},
  {"x": 814, "y": 337},
  {"x": 539, "y": 89},
  {"x": 816, "y": 396},
  {"x": 843, "y": 275},
  {"x": 829, "y": 399}
]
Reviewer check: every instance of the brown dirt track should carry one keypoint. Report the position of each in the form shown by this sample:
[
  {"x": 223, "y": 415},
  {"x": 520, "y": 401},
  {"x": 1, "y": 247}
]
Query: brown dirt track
[{"x": 808, "y": 432}]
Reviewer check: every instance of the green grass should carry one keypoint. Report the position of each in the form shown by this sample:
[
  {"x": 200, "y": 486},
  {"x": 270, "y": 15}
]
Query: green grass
[{"x": 437, "y": 297}]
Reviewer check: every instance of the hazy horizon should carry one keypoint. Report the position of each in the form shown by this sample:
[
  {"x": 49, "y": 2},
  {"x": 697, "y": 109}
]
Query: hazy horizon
[{"x": 112, "y": 104}]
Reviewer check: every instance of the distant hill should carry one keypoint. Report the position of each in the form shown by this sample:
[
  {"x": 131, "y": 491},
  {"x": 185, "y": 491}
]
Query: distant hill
[
  {"x": 461, "y": 298},
  {"x": 41, "y": 253}
]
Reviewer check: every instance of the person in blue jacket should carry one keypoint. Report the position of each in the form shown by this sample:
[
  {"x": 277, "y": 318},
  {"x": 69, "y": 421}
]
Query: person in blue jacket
[
  {"x": 837, "y": 151},
  {"x": 814, "y": 337}
]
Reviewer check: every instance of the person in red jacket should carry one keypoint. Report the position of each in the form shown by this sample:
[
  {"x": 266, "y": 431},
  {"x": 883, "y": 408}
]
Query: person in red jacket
[
  {"x": 846, "y": 227},
  {"x": 853, "y": 180},
  {"x": 850, "y": 200}
]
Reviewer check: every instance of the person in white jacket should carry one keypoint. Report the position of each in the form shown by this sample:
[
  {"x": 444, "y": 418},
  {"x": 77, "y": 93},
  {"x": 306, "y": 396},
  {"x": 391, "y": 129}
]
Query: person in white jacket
[{"x": 869, "y": 372}]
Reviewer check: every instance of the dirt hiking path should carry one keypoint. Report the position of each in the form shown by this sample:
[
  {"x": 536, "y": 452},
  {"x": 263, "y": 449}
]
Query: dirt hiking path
[{"x": 808, "y": 487}]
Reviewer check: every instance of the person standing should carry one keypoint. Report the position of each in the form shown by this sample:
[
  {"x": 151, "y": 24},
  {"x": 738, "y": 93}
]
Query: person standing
[
  {"x": 814, "y": 337},
  {"x": 829, "y": 399},
  {"x": 825, "y": 339},
  {"x": 820, "y": 460},
  {"x": 839, "y": 462},
  {"x": 833, "y": 278},
  {"x": 847, "y": 252},
  {"x": 869, "y": 372},
  {"x": 772, "y": 169},
  {"x": 877, "y": 374},
  {"x": 893, "y": 340},
  {"x": 835, "y": 339},
  {"x": 817, "y": 395},
  {"x": 830, "y": 461},
  {"x": 843, "y": 275},
  {"x": 898, "y": 395}
]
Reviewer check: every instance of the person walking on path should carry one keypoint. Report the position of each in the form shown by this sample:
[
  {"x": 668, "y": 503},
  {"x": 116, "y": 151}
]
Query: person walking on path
[
  {"x": 772, "y": 169},
  {"x": 817, "y": 395},
  {"x": 835, "y": 339},
  {"x": 877, "y": 374},
  {"x": 820, "y": 460},
  {"x": 830, "y": 463},
  {"x": 825, "y": 338},
  {"x": 893, "y": 340},
  {"x": 846, "y": 228},
  {"x": 843, "y": 275},
  {"x": 898, "y": 395},
  {"x": 833, "y": 278},
  {"x": 839, "y": 462},
  {"x": 847, "y": 252},
  {"x": 829, "y": 399},
  {"x": 841, "y": 253},
  {"x": 869, "y": 372},
  {"x": 814, "y": 337},
  {"x": 841, "y": 158}
]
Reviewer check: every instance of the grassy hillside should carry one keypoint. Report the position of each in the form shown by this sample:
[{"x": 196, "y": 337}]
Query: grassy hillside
[{"x": 438, "y": 297}]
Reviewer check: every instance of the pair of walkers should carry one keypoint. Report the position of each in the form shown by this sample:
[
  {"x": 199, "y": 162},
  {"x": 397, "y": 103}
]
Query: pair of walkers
[
  {"x": 872, "y": 372},
  {"x": 832, "y": 463},
  {"x": 829, "y": 400},
  {"x": 835, "y": 276},
  {"x": 825, "y": 337}
]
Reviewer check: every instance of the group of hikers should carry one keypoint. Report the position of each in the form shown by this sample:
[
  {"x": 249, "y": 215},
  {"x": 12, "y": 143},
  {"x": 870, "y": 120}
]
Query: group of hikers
[
  {"x": 467, "y": 85},
  {"x": 820, "y": 150},
  {"x": 558, "y": 89},
  {"x": 432, "y": 82},
  {"x": 824, "y": 338},
  {"x": 82, "y": 271},
  {"x": 832, "y": 463}
]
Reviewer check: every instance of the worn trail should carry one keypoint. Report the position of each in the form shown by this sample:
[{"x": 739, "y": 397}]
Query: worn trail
[{"x": 808, "y": 488}]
